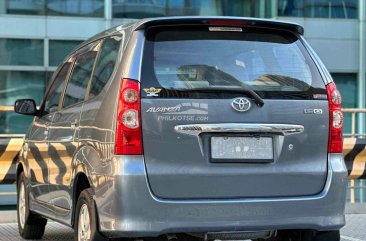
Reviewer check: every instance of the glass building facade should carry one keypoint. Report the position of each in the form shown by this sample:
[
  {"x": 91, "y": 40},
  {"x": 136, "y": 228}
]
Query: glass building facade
[
  {"x": 26, "y": 63},
  {"x": 138, "y": 8},
  {"x": 318, "y": 8}
]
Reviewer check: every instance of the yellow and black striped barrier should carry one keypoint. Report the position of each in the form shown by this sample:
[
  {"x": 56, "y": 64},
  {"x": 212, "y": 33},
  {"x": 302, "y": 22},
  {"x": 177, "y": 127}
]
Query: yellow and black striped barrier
[
  {"x": 354, "y": 151},
  {"x": 354, "y": 156},
  {"x": 9, "y": 150}
]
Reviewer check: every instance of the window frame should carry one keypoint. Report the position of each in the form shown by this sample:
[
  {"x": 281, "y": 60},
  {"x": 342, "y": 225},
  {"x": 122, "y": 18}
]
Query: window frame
[
  {"x": 120, "y": 51},
  {"x": 75, "y": 55},
  {"x": 70, "y": 60}
]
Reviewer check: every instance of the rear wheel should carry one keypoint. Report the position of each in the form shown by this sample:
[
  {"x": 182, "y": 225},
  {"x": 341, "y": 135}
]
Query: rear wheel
[
  {"x": 30, "y": 225},
  {"x": 86, "y": 219}
]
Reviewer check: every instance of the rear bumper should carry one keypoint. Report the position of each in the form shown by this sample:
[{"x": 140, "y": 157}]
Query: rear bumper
[{"x": 126, "y": 206}]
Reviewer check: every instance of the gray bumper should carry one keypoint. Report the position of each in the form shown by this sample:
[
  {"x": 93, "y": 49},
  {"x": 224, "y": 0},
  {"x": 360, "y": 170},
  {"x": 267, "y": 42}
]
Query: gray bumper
[{"x": 126, "y": 206}]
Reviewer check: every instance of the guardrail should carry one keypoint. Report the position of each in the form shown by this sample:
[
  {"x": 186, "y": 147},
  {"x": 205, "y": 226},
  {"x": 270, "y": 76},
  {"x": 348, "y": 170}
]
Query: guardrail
[
  {"x": 354, "y": 150},
  {"x": 354, "y": 112},
  {"x": 354, "y": 147}
]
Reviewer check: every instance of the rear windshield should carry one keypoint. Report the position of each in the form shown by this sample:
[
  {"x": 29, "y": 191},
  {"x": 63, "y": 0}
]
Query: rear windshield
[{"x": 186, "y": 62}]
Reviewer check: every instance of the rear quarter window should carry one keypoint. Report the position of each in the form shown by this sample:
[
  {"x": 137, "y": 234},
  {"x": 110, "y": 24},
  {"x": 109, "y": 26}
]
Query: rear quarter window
[
  {"x": 105, "y": 64},
  {"x": 183, "y": 61}
]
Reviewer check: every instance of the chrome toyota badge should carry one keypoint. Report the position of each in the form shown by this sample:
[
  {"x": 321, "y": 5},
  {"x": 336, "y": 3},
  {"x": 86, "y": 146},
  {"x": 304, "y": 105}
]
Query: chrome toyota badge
[{"x": 241, "y": 104}]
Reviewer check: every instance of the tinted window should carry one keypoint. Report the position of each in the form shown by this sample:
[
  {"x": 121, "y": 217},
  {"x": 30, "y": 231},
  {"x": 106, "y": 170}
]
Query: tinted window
[
  {"x": 82, "y": 71},
  {"x": 57, "y": 87},
  {"x": 105, "y": 64},
  {"x": 59, "y": 49},
  {"x": 21, "y": 52},
  {"x": 265, "y": 61}
]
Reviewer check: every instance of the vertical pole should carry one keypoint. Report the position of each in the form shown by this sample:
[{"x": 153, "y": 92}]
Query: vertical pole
[
  {"x": 274, "y": 9},
  {"x": 352, "y": 191},
  {"x": 353, "y": 132},
  {"x": 261, "y": 8},
  {"x": 362, "y": 61},
  {"x": 108, "y": 13},
  {"x": 361, "y": 76}
]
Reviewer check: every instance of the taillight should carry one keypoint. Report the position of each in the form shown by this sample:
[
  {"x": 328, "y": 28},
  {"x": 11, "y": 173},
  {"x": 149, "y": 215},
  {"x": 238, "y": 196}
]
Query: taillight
[
  {"x": 336, "y": 120},
  {"x": 128, "y": 124},
  {"x": 229, "y": 22}
]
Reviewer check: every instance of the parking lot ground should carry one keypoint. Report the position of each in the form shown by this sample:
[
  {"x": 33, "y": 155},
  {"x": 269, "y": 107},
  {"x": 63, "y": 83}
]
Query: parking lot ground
[{"x": 355, "y": 230}]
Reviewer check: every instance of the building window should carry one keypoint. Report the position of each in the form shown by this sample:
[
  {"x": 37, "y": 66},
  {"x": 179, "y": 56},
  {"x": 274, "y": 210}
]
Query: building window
[
  {"x": 59, "y": 49},
  {"x": 19, "y": 85},
  {"x": 21, "y": 52},
  {"x": 156, "y": 8},
  {"x": 347, "y": 85},
  {"x": 13, "y": 123},
  {"x": 89, "y": 8},
  {"x": 291, "y": 8},
  {"x": 30, "y": 7},
  {"x": 25, "y": 74},
  {"x": 318, "y": 9},
  {"x": 86, "y": 8}
]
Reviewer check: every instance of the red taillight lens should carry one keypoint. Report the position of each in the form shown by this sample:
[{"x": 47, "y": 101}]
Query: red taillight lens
[
  {"x": 336, "y": 120},
  {"x": 128, "y": 127},
  {"x": 228, "y": 22}
]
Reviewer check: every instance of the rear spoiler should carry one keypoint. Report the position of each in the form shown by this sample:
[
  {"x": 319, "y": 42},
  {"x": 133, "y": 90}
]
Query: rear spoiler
[{"x": 220, "y": 21}]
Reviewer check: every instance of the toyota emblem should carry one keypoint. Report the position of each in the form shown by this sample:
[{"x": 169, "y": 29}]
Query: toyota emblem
[{"x": 241, "y": 104}]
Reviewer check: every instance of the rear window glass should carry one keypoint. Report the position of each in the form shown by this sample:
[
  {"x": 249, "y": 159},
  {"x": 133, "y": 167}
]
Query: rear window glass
[{"x": 269, "y": 62}]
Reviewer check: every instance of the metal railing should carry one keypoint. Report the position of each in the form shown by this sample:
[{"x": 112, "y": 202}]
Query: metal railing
[
  {"x": 354, "y": 112},
  {"x": 357, "y": 188}
]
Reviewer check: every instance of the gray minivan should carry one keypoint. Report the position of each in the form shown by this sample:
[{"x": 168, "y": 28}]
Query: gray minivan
[{"x": 192, "y": 128}]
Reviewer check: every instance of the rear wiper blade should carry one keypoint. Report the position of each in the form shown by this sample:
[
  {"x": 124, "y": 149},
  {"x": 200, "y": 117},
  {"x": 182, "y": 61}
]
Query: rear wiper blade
[{"x": 246, "y": 91}]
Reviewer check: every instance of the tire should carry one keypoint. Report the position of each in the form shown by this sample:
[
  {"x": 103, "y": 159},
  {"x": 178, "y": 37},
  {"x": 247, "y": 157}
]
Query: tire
[
  {"x": 85, "y": 213},
  {"x": 30, "y": 225},
  {"x": 327, "y": 236}
]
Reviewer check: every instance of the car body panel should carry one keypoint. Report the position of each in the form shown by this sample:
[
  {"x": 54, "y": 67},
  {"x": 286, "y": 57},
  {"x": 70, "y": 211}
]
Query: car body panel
[
  {"x": 36, "y": 143},
  {"x": 184, "y": 161},
  {"x": 144, "y": 214},
  {"x": 64, "y": 141}
]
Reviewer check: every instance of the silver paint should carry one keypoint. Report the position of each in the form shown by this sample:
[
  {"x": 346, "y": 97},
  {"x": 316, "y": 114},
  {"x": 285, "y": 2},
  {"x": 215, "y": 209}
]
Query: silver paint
[{"x": 137, "y": 196}]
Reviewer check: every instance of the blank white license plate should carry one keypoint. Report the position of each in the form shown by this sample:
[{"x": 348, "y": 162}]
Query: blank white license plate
[{"x": 242, "y": 148}]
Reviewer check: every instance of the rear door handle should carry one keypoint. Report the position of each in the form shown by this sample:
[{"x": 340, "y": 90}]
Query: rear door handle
[{"x": 283, "y": 129}]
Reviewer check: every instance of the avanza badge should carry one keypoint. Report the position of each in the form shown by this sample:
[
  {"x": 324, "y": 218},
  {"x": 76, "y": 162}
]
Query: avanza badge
[{"x": 152, "y": 91}]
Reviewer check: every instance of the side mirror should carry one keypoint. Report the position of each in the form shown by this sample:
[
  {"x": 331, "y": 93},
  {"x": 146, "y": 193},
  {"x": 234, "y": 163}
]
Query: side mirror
[{"x": 25, "y": 107}]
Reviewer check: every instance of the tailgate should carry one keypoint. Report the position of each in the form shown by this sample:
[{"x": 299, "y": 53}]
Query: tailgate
[{"x": 205, "y": 135}]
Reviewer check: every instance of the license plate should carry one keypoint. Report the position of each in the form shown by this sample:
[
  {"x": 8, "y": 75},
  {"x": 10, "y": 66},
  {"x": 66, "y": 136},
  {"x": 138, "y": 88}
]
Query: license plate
[{"x": 241, "y": 149}]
